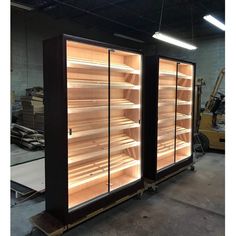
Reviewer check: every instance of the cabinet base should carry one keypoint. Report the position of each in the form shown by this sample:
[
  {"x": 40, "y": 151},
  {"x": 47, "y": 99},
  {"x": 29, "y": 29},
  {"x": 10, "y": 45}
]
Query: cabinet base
[
  {"x": 51, "y": 226},
  {"x": 168, "y": 173}
]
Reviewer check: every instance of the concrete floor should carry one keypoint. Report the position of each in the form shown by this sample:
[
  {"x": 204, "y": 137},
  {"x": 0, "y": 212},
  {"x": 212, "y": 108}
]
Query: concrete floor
[
  {"x": 189, "y": 204},
  {"x": 20, "y": 155}
]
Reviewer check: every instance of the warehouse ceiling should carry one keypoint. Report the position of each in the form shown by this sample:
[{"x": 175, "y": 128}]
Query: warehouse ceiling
[{"x": 138, "y": 19}]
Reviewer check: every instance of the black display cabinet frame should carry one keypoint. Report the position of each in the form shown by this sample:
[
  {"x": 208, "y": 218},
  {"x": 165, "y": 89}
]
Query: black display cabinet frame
[
  {"x": 56, "y": 166},
  {"x": 151, "y": 85}
]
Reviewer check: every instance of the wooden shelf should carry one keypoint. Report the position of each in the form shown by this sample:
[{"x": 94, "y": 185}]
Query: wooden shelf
[
  {"x": 167, "y": 147},
  {"x": 166, "y": 102},
  {"x": 171, "y": 116},
  {"x": 181, "y": 116},
  {"x": 169, "y": 131},
  {"x": 99, "y": 65},
  {"x": 89, "y": 149},
  {"x": 173, "y": 74},
  {"x": 175, "y": 87},
  {"x": 179, "y": 88},
  {"x": 88, "y": 84},
  {"x": 87, "y": 105},
  {"x": 84, "y": 173},
  {"x": 180, "y": 157},
  {"x": 95, "y": 126},
  {"x": 164, "y": 162},
  {"x": 96, "y": 190}
]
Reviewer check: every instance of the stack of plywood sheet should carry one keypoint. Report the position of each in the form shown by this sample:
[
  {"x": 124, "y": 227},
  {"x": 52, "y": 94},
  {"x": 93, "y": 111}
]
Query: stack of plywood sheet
[
  {"x": 39, "y": 121},
  {"x": 32, "y": 103},
  {"x": 26, "y": 138}
]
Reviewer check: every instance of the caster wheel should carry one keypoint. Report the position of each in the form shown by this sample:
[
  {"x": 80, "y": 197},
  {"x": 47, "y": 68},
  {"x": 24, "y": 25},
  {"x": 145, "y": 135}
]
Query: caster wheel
[
  {"x": 154, "y": 188},
  {"x": 139, "y": 196},
  {"x": 192, "y": 168}
]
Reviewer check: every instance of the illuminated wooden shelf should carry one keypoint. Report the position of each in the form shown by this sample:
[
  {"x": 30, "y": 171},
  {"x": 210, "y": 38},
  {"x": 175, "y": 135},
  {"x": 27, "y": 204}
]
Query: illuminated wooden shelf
[
  {"x": 174, "y": 119},
  {"x": 168, "y": 132},
  {"x": 164, "y": 162},
  {"x": 167, "y": 147},
  {"x": 173, "y": 74},
  {"x": 95, "y": 126},
  {"x": 88, "y": 84},
  {"x": 171, "y": 116},
  {"x": 181, "y": 116},
  {"x": 99, "y": 65},
  {"x": 180, "y": 157},
  {"x": 84, "y": 173},
  {"x": 170, "y": 102},
  {"x": 86, "y": 105},
  {"x": 89, "y": 149},
  {"x": 81, "y": 196},
  {"x": 179, "y": 88}
]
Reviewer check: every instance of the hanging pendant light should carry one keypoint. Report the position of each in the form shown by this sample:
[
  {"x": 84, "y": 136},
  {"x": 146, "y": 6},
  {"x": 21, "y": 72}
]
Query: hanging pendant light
[
  {"x": 174, "y": 41},
  {"x": 171, "y": 40}
]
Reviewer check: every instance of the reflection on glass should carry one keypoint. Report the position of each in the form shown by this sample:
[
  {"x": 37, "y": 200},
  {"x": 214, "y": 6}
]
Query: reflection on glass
[
  {"x": 174, "y": 112},
  {"x": 166, "y": 113},
  {"x": 101, "y": 159},
  {"x": 184, "y": 111},
  {"x": 125, "y": 118},
  {"x": 87, "y": 87}
]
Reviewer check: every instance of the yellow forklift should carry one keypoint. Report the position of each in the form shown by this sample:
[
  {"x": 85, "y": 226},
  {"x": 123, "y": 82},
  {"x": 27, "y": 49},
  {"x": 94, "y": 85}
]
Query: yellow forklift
[{"x": 211, "y": 129}]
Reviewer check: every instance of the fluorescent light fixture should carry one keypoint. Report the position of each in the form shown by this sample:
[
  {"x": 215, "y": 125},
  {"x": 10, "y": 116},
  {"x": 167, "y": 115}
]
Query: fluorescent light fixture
[
  {"x": 128, "y": 37},
  {"x": 215, "y": 22},
  {"x": 174, "y": 41}
]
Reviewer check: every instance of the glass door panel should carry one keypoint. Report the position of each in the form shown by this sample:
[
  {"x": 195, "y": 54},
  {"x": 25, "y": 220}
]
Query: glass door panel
[
  {"x": 184, "y": 111},
  {"x": 125, "y": 100},
  {"x": 87, "y": 89},
  {"x": 166, "y": 113}
]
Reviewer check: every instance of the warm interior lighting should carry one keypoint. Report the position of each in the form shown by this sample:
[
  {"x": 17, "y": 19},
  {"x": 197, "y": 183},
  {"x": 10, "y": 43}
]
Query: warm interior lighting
[
  {"x": 168, "y": 39},
  {"x": 215, "y": 22}
]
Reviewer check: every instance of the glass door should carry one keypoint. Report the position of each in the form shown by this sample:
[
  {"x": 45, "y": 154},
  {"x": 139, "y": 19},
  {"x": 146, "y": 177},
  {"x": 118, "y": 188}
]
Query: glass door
[
  {"x": 174, "y": 128},
  {"x": 125, "y": 118},
  {"x": 87, "y": 89},
  {"x": 184, "y": 111},
  {"x": 166, "y": 113}
]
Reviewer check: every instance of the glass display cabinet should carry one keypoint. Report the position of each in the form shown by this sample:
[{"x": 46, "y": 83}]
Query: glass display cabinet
[
  {"x": 171, "y": 141},
  {"x": 92, "y": 125},
  {"x": 174, "y": 118}
]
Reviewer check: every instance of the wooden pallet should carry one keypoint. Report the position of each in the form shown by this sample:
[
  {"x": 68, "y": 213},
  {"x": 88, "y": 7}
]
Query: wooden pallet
[{"x": 20, "y": 190}]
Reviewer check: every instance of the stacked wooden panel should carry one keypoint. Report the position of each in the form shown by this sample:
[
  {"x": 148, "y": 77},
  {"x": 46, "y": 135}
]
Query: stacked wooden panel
[{"x": 32, "y": 104}]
